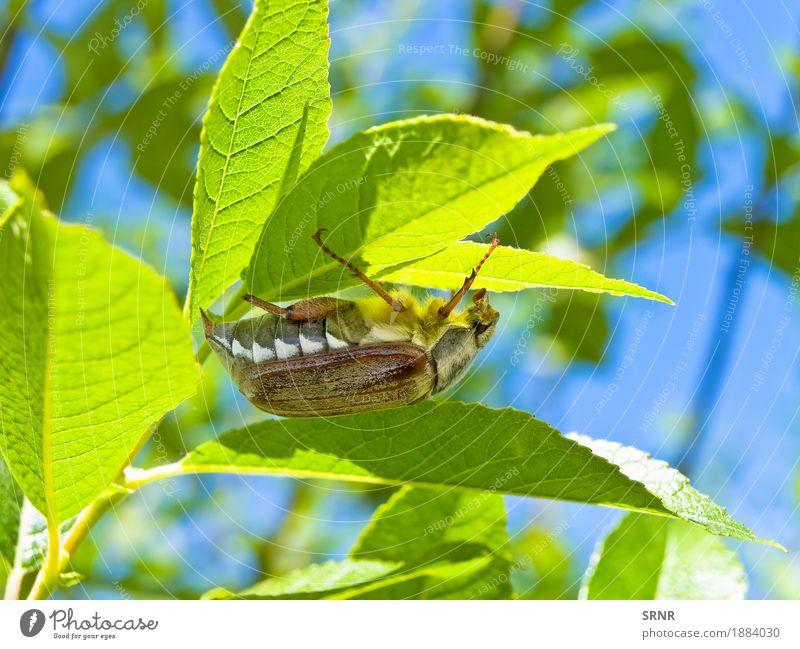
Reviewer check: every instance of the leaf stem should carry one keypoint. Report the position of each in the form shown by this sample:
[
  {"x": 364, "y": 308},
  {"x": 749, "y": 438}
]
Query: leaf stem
[
  {"x": 48, "y": 578},
  {"x": 16, "y": 576},
  {"x": 50, "y": 572},
  {"x": 136, "y": 478},
  {"x": 14, "y": 583}
]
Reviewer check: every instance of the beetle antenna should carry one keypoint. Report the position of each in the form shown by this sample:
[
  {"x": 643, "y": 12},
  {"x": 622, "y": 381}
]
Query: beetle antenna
[
  {"x": 396, "y": 305},
  {"x": 445, "y": 310}
]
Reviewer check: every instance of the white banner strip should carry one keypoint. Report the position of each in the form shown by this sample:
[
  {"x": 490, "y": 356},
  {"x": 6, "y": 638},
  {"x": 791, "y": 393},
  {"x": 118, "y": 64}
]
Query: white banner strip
[{"x": 403, "y": 624}]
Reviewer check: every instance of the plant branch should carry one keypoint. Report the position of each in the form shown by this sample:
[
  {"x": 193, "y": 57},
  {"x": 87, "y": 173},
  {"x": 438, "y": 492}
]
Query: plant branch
[
  {"x": 16, "y": 576},
  {"x": 14, "y": 582}
]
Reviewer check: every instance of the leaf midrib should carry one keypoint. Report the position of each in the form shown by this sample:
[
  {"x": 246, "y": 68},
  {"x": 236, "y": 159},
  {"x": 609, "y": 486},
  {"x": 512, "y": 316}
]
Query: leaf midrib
[
  {"x": 517, "y": 284},
  {"x": 282, "y": 471},
  {"x": 48, "y": 477}
]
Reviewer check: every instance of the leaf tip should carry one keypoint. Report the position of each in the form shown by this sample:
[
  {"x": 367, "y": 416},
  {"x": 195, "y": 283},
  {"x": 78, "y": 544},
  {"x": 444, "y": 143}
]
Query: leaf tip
[
  {"x": 775, "y": 544},
  {"x": 658, "y": 297}
]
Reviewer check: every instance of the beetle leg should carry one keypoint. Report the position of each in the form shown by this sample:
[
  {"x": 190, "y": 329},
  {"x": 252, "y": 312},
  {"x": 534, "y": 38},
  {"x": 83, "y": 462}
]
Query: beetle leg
[
  {"x": 445, "y": 310},
  {"x": 303, "y": 311},
  {"x": 377, "y": 288}
]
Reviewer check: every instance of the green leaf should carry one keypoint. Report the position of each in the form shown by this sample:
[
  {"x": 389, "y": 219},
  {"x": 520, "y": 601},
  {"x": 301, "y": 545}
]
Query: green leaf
[
  {"x": 453, "y": 444},
  {"x": 418, "y": 525},
  {"x": 23, "y": 345},
  {"x": 266, "y": 122},
  {"x": 24, "y": 534},
  {"x": 94, "y": 352},
  {"x": 314, "y": 581},
  {"x": 646, "y": 557},
  {"x": 10, "y": 507},
  {"x": 32, "y": 542},
  {"x": 543, "y": 565},
  {"x": 351, "y": 579},
  {"x": 397, "y": 193},
  {"x": 421, "y": 544},
  {"x": 510, "y": 269},
  {"x": 671, "y": 487},
  {"x": 421, "y": 526},
  {"x": 468, "y": 579}
]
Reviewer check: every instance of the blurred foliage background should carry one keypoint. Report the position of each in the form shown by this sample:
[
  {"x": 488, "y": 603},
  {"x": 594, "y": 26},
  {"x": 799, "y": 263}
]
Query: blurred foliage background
[{"x": 695, "y": 195}]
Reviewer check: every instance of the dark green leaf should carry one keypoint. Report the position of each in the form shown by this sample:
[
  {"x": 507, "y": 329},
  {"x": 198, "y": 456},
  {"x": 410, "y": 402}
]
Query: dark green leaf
[{"x": 461, "y": 445}]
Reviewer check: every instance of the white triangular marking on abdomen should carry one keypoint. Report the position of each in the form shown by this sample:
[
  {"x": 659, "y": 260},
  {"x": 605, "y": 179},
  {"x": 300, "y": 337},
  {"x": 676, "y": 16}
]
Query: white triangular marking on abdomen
[
  {"x": 334, "y": 342},
  {"x": 286, "y": 350},
  {"x": 261, "y": 354},
  {"x": 313, "y": 345},
  {"x": 240, "y": 352}
]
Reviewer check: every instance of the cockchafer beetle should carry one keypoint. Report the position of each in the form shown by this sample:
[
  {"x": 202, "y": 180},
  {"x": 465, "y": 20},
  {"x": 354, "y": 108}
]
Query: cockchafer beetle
[{"x": 326, "y": 356}]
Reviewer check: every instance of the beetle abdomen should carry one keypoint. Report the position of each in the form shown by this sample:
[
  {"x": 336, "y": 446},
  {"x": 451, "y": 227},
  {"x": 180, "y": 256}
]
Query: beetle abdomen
[{"x": 272, "y": 338}]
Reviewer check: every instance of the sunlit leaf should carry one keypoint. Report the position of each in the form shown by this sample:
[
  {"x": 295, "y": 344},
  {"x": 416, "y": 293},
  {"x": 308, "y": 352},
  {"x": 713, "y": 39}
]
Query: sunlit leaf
[
  {"x": 95, "y": 352},
  {"x": 399, "y": 192},
  {"x": 266, "y": 122},
  {"x": 350, "y": 579},
  {"x": 314, "y": 581},
  {"x": 646, "y": 557},
  {"x": 510, "y": 269},
  {"x": 10, "y": 506},
  {"x": 672, "y": 488}
]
